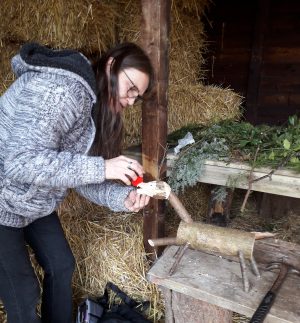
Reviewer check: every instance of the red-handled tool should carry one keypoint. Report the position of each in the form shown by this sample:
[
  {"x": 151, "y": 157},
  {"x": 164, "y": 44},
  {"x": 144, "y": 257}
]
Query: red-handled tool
[
  {"x": 138, "y": 181},
  {"x": 161, "y": 190}
]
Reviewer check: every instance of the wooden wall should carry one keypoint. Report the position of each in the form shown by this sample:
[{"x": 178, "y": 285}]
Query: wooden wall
[{"x": 254, "y": 48}]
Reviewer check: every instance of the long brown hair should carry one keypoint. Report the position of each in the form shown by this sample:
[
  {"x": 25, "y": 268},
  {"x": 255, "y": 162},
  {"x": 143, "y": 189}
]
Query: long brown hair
[{"x": 108, "y": 122}]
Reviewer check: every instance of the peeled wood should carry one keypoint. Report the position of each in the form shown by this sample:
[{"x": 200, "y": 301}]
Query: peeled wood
[
  {"x": 263, "y": 235},
  {"x": 162, "y": 241},
  {"x": 179, "y": 208},
  {"x": 213, "y": 239}
]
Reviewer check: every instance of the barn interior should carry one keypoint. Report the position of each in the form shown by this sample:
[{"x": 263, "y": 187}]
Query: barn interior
[{"x": 226, "y": 60}]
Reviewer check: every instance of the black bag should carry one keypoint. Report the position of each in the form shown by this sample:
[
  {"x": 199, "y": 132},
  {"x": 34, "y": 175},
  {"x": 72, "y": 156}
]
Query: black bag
[
  {"x": 98, "y": 311},
  {"x": 89, "y": 311}
]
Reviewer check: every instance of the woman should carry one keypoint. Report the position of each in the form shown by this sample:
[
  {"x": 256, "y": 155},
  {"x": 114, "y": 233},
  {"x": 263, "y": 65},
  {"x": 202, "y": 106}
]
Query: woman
[{"x": 60, "y": 128}]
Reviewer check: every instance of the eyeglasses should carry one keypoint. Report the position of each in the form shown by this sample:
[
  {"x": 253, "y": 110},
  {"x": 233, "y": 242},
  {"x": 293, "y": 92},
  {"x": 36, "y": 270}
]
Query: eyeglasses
[{"x": 133, "y": 92}]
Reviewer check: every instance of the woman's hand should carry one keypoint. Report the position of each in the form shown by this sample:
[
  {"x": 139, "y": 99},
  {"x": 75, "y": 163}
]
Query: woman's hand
[
  {"x": 135, "y": 202},
  {"x": 123, "y": 168}
]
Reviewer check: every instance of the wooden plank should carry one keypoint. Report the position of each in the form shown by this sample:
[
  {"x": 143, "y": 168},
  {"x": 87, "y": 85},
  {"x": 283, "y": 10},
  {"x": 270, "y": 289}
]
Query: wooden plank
[
  {"x": 155, "y": 29},
  {"x": 241, "y": 55},
  {"x": 281, "y": 71},
  {"x": 218, "y": 281},
  {"x": 279, "y": 115},
  {"x": 283, "y": 182},
  {"x": 277, "y": 55},
  {"x": 269, "y": 250},
  {"x": 283, "y": 8},
  {"x": 189, "y": 309},
  {"x": 285, "y": 37},
  {"x": 272, "y": 206},
  {"x": 279, "y": 184},
  {"x": 268, "y": 85},
  {"x": 282, "y": 99}
]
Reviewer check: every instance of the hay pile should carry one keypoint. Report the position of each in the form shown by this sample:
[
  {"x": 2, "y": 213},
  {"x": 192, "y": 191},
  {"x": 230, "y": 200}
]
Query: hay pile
[
  {"x": 108, "y": 247},
  {"x": 189, "y": 104},
  {"x": 7, "y": 51}
]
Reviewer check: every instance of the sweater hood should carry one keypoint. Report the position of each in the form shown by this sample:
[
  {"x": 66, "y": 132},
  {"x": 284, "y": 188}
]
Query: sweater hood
[{"x": 34, "y": 57}]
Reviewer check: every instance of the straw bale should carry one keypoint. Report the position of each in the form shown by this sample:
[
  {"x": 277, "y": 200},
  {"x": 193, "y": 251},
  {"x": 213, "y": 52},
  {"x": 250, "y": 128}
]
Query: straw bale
[
  {"x": 195, "y": 8},
  {"x": 3, "y": 318},
  {"x": 188, "y": 104},
  {"x": 7, "y": 51},
  {"x": 80, "y": 24},
  {"x": 187, "y": 41},
  {"x": 187, "y": 48},
  {"x": 129, "y": 24},
  {"x": 108, "y": 247},
  {"x": 200, "y": 104},
  {"x": 133, "y": 126}
]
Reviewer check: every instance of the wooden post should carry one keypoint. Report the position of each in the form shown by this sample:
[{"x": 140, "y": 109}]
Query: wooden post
[
  {"x": 155, "y": 31},
  {"x": 256, "y": 61}
]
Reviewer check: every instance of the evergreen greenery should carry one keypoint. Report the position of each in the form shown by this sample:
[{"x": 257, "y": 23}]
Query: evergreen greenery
[{"x": 232, "y": 141}]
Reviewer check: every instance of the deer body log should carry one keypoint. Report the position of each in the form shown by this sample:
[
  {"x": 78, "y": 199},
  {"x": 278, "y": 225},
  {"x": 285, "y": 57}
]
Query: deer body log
[{"x": 213, "y": 239}]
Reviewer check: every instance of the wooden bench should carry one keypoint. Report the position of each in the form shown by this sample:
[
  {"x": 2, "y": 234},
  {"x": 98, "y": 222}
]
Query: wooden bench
[
  {"x": 208, "y": 288},
  {"x": 283, "y": 182},
  {"x": 276, "y": 195}
]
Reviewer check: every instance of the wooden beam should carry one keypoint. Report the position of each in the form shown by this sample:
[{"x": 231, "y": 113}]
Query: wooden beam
[
  {"x": 256, "y": 61},
  {"x": 155, "y": 31}
]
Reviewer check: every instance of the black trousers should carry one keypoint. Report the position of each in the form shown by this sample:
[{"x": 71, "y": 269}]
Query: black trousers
[{"x": 19, "y": 287}]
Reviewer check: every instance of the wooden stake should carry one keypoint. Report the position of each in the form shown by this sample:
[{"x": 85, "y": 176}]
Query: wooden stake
[
  {"x": 178, "y": 258},
  {"x": 263, "y": 235},
  {"x": 162, "y": 241},
  {"x": 254, "y": 267},
  {"x": 179, "y": 208},
  {"x": 244, "y": 272}
]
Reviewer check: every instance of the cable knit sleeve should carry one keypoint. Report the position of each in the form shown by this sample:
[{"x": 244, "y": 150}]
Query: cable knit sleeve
[
  {"x": 108, "y": 193},
  {"x": 45, "y": 114}
]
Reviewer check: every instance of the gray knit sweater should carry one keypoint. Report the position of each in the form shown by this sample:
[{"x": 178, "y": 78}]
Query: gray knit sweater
[{"x": 46, "y": 130}]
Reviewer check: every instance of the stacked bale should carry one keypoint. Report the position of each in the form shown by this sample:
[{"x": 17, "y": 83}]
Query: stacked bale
[
  {"x": 89, "y": 26},
  {"x": 200, "y": 104},
  {"x": 80, "y": 24},
  {"x": 187, "y": 39}
]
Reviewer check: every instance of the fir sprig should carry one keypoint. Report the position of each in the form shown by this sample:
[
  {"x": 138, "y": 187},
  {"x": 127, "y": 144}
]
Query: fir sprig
[{"x": 236, "y": 141}]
